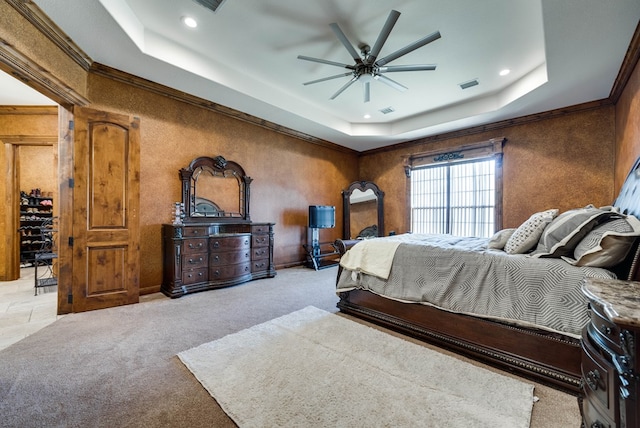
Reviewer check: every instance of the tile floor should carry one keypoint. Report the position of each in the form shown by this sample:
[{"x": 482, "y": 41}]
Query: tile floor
[{"x": 22, "y": 313}]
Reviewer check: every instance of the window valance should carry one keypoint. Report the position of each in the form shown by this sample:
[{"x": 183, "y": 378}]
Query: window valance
[{"x": 492, "y": 147}]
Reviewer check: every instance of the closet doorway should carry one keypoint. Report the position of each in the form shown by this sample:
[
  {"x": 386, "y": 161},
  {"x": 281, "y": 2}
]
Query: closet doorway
[{"x": 36, "y": 167}]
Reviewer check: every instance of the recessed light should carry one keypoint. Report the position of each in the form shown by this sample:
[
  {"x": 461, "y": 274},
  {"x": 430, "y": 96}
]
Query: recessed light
[
  {"x": 367, "y": 116},
  {"x": 189, "y": 22},
  {"x": 505, "y": 72}
]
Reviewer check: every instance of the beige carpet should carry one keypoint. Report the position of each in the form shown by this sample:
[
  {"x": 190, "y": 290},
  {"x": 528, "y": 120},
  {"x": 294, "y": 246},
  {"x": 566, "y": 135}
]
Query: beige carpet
[
  {"x": 119, "y": 367},
  {"x": 312, "y": 368}
]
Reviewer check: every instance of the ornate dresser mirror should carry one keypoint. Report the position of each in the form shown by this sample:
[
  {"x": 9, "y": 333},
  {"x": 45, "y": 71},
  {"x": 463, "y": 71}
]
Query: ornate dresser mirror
[
  {"x": 363, "y": 213},
  {"x": 214, "y": 189}
]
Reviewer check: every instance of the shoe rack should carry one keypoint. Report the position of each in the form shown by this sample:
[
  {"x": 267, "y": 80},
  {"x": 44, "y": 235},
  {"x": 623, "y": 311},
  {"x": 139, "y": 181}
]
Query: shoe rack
[{"x": 36, "y": 210}]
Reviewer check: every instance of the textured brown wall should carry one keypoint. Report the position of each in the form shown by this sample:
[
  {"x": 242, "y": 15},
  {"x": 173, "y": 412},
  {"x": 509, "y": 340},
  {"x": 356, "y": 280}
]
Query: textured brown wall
[
  {"x": 37, "y": 169},
  {"x": 563, "y": 162},
  {"x": 288, "y": 174},
  {"x": 627, "y": 127}
]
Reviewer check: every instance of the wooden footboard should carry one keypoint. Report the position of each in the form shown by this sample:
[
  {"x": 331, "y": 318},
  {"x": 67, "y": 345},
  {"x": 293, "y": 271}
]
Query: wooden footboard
[{"x": 551, "y": 359}]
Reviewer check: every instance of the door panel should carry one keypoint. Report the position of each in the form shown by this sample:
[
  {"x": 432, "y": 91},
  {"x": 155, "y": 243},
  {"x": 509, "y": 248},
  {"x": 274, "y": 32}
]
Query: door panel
[{"x": 105, "y": 210}]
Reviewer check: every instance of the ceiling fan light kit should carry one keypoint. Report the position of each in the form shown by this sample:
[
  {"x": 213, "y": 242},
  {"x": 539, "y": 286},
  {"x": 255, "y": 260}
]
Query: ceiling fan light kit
[{"x": 367, "y": 67}]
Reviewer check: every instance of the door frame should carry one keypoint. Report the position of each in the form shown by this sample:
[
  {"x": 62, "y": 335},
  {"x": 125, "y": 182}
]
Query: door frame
[{"x": 12, "y": 144}]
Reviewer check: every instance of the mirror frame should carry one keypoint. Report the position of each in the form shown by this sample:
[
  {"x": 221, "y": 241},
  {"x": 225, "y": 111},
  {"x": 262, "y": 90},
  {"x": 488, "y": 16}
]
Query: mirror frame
[
  {"x": 346, "y": 206},
  {"x": 217, "y": 164}
]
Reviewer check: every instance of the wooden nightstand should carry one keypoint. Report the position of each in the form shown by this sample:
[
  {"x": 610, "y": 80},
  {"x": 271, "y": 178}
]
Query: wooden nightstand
[{"x": 610, "y": 361}]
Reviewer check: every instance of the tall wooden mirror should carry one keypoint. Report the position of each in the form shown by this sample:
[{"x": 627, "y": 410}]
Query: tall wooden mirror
[{"x": 363, "y": 213}]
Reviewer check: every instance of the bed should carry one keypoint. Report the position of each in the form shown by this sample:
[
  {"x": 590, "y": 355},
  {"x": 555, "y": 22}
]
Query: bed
[{"x": 513, "y": 301}]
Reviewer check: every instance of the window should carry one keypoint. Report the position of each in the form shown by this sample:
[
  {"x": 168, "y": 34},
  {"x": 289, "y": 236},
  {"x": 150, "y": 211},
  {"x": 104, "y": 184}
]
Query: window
[{"x": 458, "y": 192}]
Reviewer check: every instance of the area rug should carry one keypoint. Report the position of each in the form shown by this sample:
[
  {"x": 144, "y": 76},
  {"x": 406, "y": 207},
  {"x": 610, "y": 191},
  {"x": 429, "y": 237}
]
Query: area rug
[{"x": 312, "y": 368}]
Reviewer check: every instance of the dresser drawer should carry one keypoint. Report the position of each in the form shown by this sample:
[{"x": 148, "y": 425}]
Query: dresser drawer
[
  {"x": 594, "y": 418},
  {"x": 194, "y": 260},
  {"x": 229, "y": 257},
  {"x": 259, "y": 228},
  {"x": 229, "y": 272},
  {"x": 260, "y": 265},
  {"x": 260, "y": 241},
  {"x": 230, "y": 242},
  {"x": 194, "y": 245},
  {"x": 598, "y": 380},
  {"x": 607, "y": 330},
  {"x": 194, "y": 276},
  {"x": 259, "y": 253},
  {"x": 191, "y": 232}
]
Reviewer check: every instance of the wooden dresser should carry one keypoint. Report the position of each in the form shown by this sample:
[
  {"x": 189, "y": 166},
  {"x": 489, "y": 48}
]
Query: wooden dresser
[
  {"x": 201, "y": 256},
  {"x": 212, "y": 241},
  {"x": 610, "y": 361}
]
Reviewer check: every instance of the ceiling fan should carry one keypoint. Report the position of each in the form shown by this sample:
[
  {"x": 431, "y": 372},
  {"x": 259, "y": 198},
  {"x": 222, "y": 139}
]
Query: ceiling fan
[{"x": 367, "y": 66}]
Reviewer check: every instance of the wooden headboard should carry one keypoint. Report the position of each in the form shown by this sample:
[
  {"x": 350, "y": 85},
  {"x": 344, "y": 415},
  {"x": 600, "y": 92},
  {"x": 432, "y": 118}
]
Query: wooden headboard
[{"x": 628, "y": 201}]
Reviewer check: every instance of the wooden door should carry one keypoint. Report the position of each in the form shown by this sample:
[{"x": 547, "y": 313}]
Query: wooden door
[{"x": 106, "y": 191}]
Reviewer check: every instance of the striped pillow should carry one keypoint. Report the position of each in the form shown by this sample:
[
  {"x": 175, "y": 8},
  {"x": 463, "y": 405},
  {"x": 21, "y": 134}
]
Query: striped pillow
[
  {"x": 565, "y": 232},
  {"x": 607, "y": 244}
]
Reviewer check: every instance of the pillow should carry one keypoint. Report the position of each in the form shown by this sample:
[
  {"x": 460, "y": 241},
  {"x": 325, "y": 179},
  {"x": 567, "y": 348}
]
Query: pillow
[
  {"x": 527, "y": 235},
  {"x": 567, "y": 230},
  {"x": 499, "y": 240},
  {"x": 607, "y": 244}
]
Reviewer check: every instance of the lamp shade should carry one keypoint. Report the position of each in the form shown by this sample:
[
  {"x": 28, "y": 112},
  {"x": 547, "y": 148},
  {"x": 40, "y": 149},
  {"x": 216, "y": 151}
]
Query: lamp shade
[{"x": 322, "y": 216}]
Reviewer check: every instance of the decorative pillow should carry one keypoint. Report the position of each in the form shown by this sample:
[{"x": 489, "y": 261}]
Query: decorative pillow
[
  {"x": 525, "y": 237},
  {"x": 567, "y": 230},
  {"x": 607, "y": 244},
  {"x": 499, "y": 240}
]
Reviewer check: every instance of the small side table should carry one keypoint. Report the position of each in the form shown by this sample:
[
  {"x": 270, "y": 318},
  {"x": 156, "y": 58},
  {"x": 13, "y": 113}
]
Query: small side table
[
  {"x": 610, "y": 361},
  {"x": 46, "y": 277}
]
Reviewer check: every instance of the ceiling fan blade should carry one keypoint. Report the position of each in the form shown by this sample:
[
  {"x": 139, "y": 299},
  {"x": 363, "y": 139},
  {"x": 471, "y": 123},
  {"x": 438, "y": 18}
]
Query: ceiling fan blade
[
  {"x": 366, "y": 87},
  {"x": 341, "y": 90},
  {"x": 382, "y": 37},
  {"x": 390, "y": 82},
  {"x": 409, "y": 48},
  {"x": 414, "y": 67},
  {"x": 325, "y": 61},
  {"x": 327, "y": 78},
  {"x": 347, "y": 44}
]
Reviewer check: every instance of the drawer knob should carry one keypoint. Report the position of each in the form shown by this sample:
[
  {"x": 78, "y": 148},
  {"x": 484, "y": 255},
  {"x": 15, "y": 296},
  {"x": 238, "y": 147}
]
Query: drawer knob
[
  {"x": 216, "y": 244},
  {"x": 216, "y": 258},
  {"x": 606, "y": 330},
  {"x": 198, "y": 245},
  {"x": 593, "y": 379}
]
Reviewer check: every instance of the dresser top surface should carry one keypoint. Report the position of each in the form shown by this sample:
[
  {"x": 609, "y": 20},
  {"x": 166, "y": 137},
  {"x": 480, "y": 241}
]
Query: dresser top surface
[{"x": 620, "y": 299}]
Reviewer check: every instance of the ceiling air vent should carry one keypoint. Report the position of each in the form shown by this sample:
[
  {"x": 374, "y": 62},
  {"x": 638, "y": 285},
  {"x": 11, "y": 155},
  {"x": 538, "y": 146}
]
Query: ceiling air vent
[
  {"x": 210, "y": 4},
  {"x": 469, "y": 84},
  {"x": 387, "y": 110}
]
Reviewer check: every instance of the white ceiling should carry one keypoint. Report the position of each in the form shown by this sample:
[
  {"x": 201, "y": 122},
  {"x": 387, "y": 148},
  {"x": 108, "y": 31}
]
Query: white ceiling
[{"x": 244, "y": 56}]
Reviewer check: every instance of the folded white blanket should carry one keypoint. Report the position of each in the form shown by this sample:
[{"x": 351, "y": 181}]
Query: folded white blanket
[{"x": 371, "y": 256}]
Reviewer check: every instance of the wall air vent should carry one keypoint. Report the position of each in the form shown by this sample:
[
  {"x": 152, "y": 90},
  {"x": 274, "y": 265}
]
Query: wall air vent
[
  {"x": 387, "y": 110},
  {"x": 469, "y": 84},
  {"x": 210, "y": 4}
]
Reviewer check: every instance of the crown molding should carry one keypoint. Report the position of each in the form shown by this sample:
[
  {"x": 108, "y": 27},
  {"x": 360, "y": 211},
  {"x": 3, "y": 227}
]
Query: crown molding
[{"x": 32, "y": 13}]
